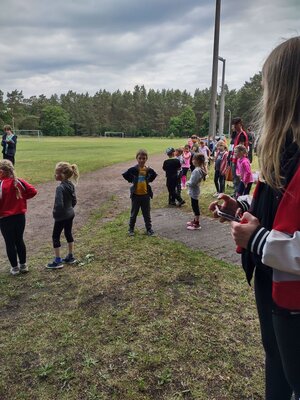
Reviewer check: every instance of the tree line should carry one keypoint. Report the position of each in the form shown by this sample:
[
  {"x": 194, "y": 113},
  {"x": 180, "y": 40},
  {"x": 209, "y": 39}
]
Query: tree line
[{"x": 139, "y": 112}]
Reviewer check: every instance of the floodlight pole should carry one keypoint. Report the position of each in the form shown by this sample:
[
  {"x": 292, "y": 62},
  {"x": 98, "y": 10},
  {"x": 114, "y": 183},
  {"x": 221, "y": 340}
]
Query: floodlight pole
[
  {"x": 214, "y": 81},
  {"x": 222, "y": 103},
  {"x": 229, "y": 124}
]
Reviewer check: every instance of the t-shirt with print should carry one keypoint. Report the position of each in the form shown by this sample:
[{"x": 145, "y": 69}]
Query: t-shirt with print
[{"x": 141, "y": 186}]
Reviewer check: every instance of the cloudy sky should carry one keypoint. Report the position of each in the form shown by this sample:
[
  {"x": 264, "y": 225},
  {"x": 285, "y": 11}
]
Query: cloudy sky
[{"x": 55, "y": 46}]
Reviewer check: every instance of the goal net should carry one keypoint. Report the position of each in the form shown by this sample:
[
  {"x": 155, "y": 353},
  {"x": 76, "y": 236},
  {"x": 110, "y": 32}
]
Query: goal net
[
  {"x": 114, "y": 134},
  {"x": 28, "y": 132}
]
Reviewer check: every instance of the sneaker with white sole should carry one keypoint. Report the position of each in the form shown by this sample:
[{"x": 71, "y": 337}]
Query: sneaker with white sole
[
  {"x": 55, "y": 265},
  {"x": 23, "y": 268},
  {"x": 69, "y": 260},
  {"x": 14, "y": 270},
  {"x": 190, "y": 223},
  {"x": 216, "y": 194},
  {"x": 194, "y": 227}
]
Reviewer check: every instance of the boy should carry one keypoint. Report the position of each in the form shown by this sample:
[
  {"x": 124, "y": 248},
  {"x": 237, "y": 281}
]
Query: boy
[
  {"x": 172, "y": 166},
  {"x": 140, "y": 192}
]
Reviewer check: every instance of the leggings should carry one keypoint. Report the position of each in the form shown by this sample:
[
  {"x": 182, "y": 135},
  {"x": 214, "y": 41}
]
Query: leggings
[
  {"x": 195, "y": 206},
  {"x": 219, "y": 181},
  {"x": 12, "y": 229},
  {"x": 59, "y": 226},
  {"x": 280, "y": 337}
]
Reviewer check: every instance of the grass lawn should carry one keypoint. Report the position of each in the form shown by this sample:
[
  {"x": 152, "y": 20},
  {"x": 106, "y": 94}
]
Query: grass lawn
[
  {"x": 36, "y": 158},
  {"x": 125, "y": 325}
]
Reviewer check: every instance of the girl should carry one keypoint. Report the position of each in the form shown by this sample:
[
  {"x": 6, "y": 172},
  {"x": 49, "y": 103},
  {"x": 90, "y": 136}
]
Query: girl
[
  {"x": 13, "y": 195},
  {"x": 9, "y": 144},
  {"x": 243, "y": 170},
  {"x": 63, "y": 212},
  {"x": 220, "y": 167},
  {"x": 203, "y": 149},
  {"x": 270, "y": 232},
  {"x": 197, "y": 176},
  {"x": 186, "y": 164}
]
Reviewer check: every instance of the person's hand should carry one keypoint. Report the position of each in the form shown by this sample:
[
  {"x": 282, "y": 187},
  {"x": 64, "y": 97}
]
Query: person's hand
[
  {"x": 229, "y": 206},
  {"x": 241, "y": 232}
]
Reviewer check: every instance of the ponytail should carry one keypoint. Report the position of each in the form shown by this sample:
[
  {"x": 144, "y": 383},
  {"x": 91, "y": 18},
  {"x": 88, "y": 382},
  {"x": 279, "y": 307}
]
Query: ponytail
[{"x": 7, "y": 167}]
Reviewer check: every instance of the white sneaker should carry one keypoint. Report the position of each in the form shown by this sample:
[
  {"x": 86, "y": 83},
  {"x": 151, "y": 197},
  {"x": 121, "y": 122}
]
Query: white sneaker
[
  {"x": 216, "y": 194},
  {"x": 14, "y": 270},
  {"x": 23, "y": 268}
]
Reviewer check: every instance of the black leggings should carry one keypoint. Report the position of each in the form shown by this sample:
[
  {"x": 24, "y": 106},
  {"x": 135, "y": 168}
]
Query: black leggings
[
  {"x": 280, "y": 337},
  {"x": 59, "y": 226},
  {"x": 195, "y": 206},
  {"x": 12, "y": 229},
  {"x": 219, "y": 181}
]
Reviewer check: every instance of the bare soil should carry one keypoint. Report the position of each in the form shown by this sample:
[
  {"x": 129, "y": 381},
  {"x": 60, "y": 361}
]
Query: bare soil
[{"x": 95, "y": 188}]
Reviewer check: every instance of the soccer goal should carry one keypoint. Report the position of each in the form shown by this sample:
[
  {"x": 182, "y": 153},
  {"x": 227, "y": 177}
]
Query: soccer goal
[
  {"x": 28, "y": 132},
  {"x": 114, "y": 134}
]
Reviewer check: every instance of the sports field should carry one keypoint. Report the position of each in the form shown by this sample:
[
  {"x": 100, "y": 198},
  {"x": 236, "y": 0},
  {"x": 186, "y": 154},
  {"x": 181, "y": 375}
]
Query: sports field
[{"x": 36, "y": 157}]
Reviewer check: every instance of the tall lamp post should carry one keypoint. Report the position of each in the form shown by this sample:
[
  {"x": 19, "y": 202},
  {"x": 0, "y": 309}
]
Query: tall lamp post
[
  {"x": 229, "y": 123},
  {"x": 222, "y": 103},
  {"x": 213, "y": 113}
]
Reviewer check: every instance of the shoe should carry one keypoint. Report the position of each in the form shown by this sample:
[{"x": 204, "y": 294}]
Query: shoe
[
  {"x": 150, "y": 232},
  {"x": 190, "y": 223},
  {"x": 216, "y": 194},
  {"x": 130, "y": 232},
  {"x": 181, "y": 203},
  {"x": 23, "y": 268},
  {"x": 69, "y": 260},
  {"x": 14, "y": 270},
  {"x": 194, "y": 227},
  {"x": 172, "y": 204},
  {"x": 55, "y": 265}
]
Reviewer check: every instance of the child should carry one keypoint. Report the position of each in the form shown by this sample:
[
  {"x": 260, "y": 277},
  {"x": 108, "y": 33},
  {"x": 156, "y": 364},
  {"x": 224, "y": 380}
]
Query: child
[
  {"x": 243, "y": 170},
  {"x": 13, "y": 195},
  {"x": 172, "y": 167},
  {"x": 178, "y": 155},
  {"x": 63, "y": 212},
  {"x": 203, "y": 149},
  {"x": 9, "y": 144},
  {"x": 197, "y": 176},
  {"x": 220, "y": 167},
  {"x": 140, "y": 192},
  {"x": 186, "y": 165}
]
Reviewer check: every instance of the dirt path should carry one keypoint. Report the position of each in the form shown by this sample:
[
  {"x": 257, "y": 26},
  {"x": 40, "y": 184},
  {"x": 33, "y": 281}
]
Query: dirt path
[{"x": 94, "y": 189}]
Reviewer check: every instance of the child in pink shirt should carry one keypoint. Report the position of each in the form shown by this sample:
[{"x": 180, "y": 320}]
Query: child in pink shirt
[
  {"x": 186, "y": 164},
  {"x": 243, "y": 170}
]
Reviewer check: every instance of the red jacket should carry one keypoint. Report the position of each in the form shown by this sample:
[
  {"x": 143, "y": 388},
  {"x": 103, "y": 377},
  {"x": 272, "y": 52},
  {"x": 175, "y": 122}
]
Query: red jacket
[{"x": 9, "y": 204}]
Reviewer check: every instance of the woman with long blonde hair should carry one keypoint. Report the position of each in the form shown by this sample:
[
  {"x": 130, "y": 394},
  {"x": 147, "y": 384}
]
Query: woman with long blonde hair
[{"x": 270, "y": 233}]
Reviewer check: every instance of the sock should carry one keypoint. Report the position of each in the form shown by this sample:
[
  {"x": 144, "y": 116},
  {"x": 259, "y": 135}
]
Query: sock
[{"x": 57, "y": 259}]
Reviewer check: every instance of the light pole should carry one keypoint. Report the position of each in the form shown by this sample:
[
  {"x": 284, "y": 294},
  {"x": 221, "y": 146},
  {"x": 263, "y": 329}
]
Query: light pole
[
  {"x": 222, "y": 103},
  {"x": 214, "y": 80},
  {"x": 229, "y": 123}
]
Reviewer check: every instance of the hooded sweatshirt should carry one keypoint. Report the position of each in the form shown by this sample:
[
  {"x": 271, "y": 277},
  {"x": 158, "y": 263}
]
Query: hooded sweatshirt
[{"x": 65, "y": 201}]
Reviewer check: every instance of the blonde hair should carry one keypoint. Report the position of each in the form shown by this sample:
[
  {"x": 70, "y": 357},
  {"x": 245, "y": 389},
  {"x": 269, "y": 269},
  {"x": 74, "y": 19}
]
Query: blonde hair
[
  {"x": 68, "y": 171},
  {"x": 142, "y": 152},
  {"x": 7, "y": 128},
  {"x": 280, "y": 112},
  {"x": 221, "y": 143},
  {"x": 8, "y": 169}
]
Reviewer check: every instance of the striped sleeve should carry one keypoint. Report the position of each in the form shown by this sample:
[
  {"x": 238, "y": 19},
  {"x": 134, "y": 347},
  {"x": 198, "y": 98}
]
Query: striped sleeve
[{"x": 258, "y": 240}]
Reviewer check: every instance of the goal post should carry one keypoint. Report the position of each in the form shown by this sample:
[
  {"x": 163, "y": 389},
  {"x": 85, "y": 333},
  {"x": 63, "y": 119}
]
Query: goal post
[
  {"x": 28, "y": 132},
  {"x": 114, "y": 134}
]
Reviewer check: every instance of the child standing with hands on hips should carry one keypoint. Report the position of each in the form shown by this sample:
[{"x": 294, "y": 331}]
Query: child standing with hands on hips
[
  {"x": 63, "y": 212},
  {"x": 13, "y": 195},
  {"x": 193, "y": 184},
  {"x": 140, "y": 192}
]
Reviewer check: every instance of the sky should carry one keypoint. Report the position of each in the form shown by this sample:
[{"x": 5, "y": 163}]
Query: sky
[{"x": 55, "y": 46}]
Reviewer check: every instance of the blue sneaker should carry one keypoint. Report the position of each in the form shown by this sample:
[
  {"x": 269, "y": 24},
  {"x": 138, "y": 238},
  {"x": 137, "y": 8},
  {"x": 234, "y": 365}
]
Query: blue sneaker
[
  {"x": 69, "y": 259},
  {"x": 55, "y": 265}
]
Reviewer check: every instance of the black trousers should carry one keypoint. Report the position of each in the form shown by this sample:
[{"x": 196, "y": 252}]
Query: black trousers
[
  {"x": 242, "y": 190},
  {"x": 10, "y": 158},
  {"x": 12, "y": 229},
  {"x": 280, "y": 338},
  {"x": 59, "y": 226},
  {"x": 219, "y": 181},
  {"x": 195, "y": 206},
  {"x": 172, "y": 185},
  {"x": 137, "y": 202}
]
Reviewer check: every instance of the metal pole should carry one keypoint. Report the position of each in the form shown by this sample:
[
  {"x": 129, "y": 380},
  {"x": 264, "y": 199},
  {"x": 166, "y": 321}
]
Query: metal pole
[
  {"x": 229, "y": 123},
  {"x": 222, "y": 104},
  {"x": 212, "y": 117}
]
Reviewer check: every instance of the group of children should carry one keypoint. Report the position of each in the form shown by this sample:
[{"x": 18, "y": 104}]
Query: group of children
[{"x": 14, "y": 193}]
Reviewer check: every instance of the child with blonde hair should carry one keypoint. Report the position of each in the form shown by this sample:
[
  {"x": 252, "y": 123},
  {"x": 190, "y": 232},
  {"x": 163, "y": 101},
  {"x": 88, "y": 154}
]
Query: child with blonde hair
[
  {"x": 63, "y": 212},
  {"x": 13, "y": 195}
]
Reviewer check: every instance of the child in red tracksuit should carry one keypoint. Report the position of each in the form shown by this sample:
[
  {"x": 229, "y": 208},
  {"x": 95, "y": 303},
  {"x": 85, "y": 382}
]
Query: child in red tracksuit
[{"x": 13, "y": 195}]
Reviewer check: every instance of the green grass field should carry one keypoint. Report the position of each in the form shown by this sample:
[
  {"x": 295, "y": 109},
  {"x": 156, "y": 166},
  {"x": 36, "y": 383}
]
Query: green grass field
[
  {"x": 36, "y": 158},
  {"x": 137, "y": 319}
]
